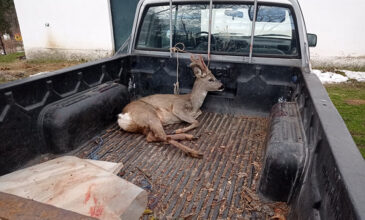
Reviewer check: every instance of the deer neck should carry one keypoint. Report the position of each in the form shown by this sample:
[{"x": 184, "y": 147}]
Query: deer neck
[{"x": 197, "y": 96}]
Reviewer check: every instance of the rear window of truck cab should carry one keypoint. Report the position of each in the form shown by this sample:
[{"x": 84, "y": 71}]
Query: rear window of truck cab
[{"x": 275, "y": 32}]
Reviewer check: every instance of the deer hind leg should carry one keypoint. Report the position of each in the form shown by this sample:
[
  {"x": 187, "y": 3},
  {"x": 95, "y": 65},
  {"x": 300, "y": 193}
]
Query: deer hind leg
[
  {"x": 188, "y": 151},
  {"x": 171, "y": 139},
  {"x": 181, "y": 136},
  {"x": 156, "y": 133},
  {"x": 150, "y": 137}
]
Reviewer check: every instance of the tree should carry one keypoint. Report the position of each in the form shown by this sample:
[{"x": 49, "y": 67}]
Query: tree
[{"x": 7, "y": 10}]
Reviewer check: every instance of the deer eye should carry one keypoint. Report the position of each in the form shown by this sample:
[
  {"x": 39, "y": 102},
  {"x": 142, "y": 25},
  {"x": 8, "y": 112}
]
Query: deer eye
[{"x": 211, "y": 80}]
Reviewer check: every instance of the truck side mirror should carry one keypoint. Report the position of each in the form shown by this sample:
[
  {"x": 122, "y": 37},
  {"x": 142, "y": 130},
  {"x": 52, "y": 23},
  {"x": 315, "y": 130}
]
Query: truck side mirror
[{"x": 312, "y": 40}]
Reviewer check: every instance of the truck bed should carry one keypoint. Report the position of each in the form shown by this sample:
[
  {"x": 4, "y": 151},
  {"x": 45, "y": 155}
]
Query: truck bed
[{"x": 222, "y": 184}]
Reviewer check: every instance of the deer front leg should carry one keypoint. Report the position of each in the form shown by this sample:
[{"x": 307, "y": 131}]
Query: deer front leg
[
  {"x": 197, "y": 114},
  {"x": 183, "y": 114},
  {"x": 193, "y": 125}
]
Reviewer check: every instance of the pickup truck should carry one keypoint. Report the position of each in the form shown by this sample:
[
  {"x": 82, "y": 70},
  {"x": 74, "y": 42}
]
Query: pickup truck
[{"x": 273, "y": 135}]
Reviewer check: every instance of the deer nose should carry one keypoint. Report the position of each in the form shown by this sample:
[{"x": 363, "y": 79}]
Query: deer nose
[{"x": 221, "y": 88}]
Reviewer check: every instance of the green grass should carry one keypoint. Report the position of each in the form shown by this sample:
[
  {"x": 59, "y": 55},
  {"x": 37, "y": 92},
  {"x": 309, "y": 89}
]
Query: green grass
[
  {"x": 353, "y": 115},
  {"x": 362, "y": 150},
  {"x": 10, "y": 57}
]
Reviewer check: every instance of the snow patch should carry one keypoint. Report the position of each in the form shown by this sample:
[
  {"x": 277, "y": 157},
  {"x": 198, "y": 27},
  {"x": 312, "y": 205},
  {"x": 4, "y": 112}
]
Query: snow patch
[
  {"x": 359, "y": 76},
  {"x": 330, "y": 77}
]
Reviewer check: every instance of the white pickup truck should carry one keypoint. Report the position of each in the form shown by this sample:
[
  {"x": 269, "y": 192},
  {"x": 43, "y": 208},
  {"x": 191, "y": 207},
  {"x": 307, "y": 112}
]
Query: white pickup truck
[{"x": 272, "y": 140}]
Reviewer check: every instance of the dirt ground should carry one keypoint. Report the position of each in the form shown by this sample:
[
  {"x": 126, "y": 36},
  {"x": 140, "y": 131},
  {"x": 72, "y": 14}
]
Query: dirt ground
[
  {"x": 355, "y": 101},
  {"x": 22, "y": 68}
]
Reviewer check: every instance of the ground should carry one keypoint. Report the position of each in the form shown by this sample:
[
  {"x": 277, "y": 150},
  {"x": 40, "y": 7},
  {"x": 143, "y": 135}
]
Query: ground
[
  {"x": 348, "y": 97},
  {"x": 346, "y": 88},
  {"x": 14, "y": 66}
]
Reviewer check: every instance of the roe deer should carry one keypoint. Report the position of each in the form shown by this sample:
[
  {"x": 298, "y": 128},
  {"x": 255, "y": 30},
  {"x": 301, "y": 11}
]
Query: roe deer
[{"x": 149, "y": 114}]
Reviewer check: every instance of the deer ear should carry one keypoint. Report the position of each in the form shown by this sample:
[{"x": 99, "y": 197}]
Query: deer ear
[
  {"x": 198, "y": 68},
  {"x": 197, "y": 71}
]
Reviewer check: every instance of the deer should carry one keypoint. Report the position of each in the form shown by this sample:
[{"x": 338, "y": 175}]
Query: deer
[{"x": 149, "y": 115}]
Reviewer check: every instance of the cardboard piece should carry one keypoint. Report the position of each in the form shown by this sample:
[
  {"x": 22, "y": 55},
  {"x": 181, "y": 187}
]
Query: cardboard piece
[
  {"x": 110, "y": 167},
  {"x": 78, "y": 185}
]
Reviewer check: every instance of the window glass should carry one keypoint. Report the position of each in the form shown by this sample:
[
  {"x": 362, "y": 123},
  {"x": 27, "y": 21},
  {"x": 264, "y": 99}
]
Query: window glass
[
  {"x": 154, "y": 32},
  {"x": 231, "y": 28},
  {"x": 275, "y": 33},
  {"x": 187, "y": 21}
]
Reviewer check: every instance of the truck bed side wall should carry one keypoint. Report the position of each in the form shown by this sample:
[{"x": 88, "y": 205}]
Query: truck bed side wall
[
  {"x": 332, "y": 186},
  {"x": 21, "y": 102}
]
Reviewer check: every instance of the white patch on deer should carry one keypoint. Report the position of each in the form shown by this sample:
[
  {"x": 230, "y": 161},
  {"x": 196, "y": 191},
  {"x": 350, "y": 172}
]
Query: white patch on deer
[{"x": 124, "y": 120}]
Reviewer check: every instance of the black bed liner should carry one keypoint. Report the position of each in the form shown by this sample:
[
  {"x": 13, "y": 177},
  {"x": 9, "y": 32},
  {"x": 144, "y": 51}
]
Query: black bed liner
[{"x": 221, "y": 185}]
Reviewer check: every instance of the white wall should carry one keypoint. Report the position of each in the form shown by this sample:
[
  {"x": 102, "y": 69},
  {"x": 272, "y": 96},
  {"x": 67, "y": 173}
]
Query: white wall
[
  {"x": 83, "y": 28},
  {"x": 77, "y": 28},
  {"x": 339, "y": 25}
]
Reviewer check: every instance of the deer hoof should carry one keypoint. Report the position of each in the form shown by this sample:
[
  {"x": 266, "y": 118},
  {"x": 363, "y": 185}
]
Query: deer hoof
[
  {"x": 190, "y": 137},
  {"x": 195, "y": 155}
]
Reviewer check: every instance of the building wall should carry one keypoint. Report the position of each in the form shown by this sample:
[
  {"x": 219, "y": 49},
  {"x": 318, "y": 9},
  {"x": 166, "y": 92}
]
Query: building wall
[
  {"x": 339, "y": 26},
  {"x": 71, "y": 29},
  {"x": 85, "y": 29}
]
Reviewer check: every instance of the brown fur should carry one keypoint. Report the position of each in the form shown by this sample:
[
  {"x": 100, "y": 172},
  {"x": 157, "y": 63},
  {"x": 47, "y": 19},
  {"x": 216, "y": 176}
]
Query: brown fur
[{"x": 148, "y": 115}]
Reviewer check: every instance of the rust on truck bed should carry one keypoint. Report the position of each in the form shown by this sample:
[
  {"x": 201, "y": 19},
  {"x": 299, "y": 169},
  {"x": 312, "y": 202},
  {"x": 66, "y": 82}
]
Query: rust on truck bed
[{"x": 221, "y": 185}]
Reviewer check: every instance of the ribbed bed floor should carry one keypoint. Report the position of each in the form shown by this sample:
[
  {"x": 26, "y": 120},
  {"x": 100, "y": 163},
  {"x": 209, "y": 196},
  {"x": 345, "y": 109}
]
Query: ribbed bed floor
[{"x": 221, "y": 185}]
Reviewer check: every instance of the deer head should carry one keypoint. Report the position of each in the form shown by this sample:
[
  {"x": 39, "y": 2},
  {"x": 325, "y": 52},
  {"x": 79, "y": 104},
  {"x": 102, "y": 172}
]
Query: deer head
[{"x": 204, "y": 77}]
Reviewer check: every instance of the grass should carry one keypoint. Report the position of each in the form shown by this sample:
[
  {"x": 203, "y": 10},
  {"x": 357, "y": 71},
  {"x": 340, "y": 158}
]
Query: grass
[
  {"x": 338, "y": 69},
  {"x": 51, "y": 61},
  {"x": 3, "y": 80},
  {"x": 14, "y": 66},
  {"x": 9, "y": 58},
  {"x": 349, "y": 100}
]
